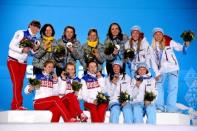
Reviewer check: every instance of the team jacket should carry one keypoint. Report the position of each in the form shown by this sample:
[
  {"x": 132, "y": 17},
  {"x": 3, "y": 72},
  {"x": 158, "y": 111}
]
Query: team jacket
[
  {"x": 145, "y": 55},
  {"x": 167, "y": 61},
  {"x": 41, "y": 55},
  {"x": 137, "y": 93},
  {"x": 91, "y": 86},
  {"x": 110, "y": 58},
  {"x": 14, "y": 50},
  {"x": 113, "y": 91},
  {"x": 86, "y": 50},
  {"x": 66, "y": 86},
  {"x": 71, "y": 56},
  {"x": 48, "y": 86}
]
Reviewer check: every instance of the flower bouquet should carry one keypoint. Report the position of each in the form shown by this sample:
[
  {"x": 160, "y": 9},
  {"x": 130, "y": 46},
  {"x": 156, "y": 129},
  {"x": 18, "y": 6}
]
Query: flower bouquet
[
  {"x": 124, "y": 97},
  {"x": 59, "y": 53},
  {"x": 149, "y": 96},
  {"x": 110, "y": 48},
  {"x": 188, "y": 36},
  {"x": 88, "y": 57},
  {"x": 26, "y": 43},
  {"x": 129, "y": 54},
  {"x": 102, "y": 98},
  {"x": 35, "y": 83},
  {"x": 76, "y": 86}
]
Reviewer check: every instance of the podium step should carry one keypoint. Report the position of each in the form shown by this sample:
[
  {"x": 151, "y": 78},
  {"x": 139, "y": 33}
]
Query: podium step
[{"x": 32, "y": 116}]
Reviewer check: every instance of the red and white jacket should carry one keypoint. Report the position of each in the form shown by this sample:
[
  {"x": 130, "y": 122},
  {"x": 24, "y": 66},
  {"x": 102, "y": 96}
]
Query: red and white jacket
[
  {"x": 14, "y": 50},
  {"x": 48, "y": 87},
  {"x": 91, "y": 85}
]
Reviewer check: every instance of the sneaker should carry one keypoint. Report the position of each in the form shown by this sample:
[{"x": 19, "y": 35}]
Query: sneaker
[
  {"x": 73, "y": 120},
  {"x": 83, "y": 117},
  {"x": 21, "y": 108}
]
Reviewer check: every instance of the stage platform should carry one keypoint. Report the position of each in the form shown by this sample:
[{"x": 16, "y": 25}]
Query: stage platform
[
  {"x": 32, "y": 116},
  {"x": 91, "y": 126}
]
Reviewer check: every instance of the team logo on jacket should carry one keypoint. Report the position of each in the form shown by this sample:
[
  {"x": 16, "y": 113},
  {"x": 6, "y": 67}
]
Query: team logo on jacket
[
  {"x": 69, "y": 86},
  {"x": 92, "y": 84},
  {"x": 46, "y": 83}
]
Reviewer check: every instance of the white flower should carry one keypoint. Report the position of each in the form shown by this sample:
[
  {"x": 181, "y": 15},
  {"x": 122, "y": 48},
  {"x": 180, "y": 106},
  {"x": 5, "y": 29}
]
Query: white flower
[
  {"x": 69, "y": 45},
  {"x": 117, "y": 46}
]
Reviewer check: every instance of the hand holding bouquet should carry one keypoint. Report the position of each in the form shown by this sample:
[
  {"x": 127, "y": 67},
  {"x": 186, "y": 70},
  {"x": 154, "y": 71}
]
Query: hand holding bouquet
[
  {"x": 124, "y": 97},
  {"x": 59, "y": 53},
  {"x": 188, "y": 36},
  {"x": 102, "y": 98},
  {"x": 76, "y": 86},
  {"x": 129, "y": 54},
  {"x": 35, "y": 83},
  {"x": 26, "y": 43}
]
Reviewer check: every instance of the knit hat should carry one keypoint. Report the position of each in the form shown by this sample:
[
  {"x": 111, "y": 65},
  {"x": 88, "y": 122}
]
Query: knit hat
[
  {"x": 117, "y": 62},
  {"x": 158, "y": 29},
  {"x": 142, "y": 65},
  {"x": 136, "y": 27}
]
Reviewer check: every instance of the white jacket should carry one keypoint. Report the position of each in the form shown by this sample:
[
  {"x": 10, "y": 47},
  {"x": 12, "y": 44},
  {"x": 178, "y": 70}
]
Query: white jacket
[
  {"x": 168, "y": 61},
  {"x": 90, "y": 87},
  {"x": 48, "y": 87},
  {"x": 14, "y": 50},
  {"x": 123, "y": 84},
  {"x": 137, "y": 93},
  {"x": 145, "y": 55}
]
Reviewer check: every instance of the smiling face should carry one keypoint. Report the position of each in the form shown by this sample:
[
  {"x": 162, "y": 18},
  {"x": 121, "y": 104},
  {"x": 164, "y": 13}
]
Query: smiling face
[
  {"x": 116, "y": 69},
  {"x": 158, "y": 36},
  {"x": 135, "y": 35},
  {"x": 92, "y": 67},
  {"x": 48, "y": 31},
  {"x": 92, "y": 37},
  {"x": 49, "y": 68},
  {"x": 114, "y": 30},
  {"x": 69, "y": 33},
  {"x": 71, "y": 70},
  {"x": 142, "y": 71},
  {"x": 34, "y": 29}
]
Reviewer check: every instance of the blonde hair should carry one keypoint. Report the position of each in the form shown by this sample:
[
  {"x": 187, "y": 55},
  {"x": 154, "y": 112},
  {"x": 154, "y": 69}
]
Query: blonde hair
[
  {"x": 161, "y": 45},
  {"x": 139, "y": 41}
]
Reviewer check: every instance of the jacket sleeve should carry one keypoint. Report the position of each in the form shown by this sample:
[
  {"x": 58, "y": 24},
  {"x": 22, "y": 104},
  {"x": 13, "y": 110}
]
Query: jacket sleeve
[
  {"x": 26, "y": 90},
  {"x": 55, "y": 88},
  {"x": 101, "y": 58},
  {"x": 62, "y": 86},
  {"x": 85, "y": 92},
  {"x": 14, "y": 44},
  {"x": 108, "y": 57},
  {"x": 77, "y": 51},
  {"x": 40, "y": 52},
  {"x": 153, "y": 62},
  {"x": 154, "y": 89},
  {"x": 82, "y": 60},
  {"x": 178, "y": 46}
]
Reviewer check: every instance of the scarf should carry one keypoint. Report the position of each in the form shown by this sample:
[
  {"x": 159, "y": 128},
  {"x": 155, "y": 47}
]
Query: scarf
[
  {"x": 92, "y": 44},
  {"x": 47, "y": 41}
]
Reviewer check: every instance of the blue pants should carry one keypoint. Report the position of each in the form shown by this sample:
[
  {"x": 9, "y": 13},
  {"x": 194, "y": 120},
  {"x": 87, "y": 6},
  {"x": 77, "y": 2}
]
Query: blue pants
[
  {"x": 115, "y": 110},
  {"x": 150, "y": 112},
  {"x": 172, "y": 90},
  {"x": 138, "y": 112}
]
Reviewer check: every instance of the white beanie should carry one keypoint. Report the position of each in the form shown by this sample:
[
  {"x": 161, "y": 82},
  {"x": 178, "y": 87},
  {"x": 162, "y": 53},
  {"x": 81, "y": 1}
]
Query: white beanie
[
  {"x": 136, "y": 27},
  {"x": 117, "y": 62},
  {"x": 157, "y": 29},
  {"x": 142, "y": 65}
]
